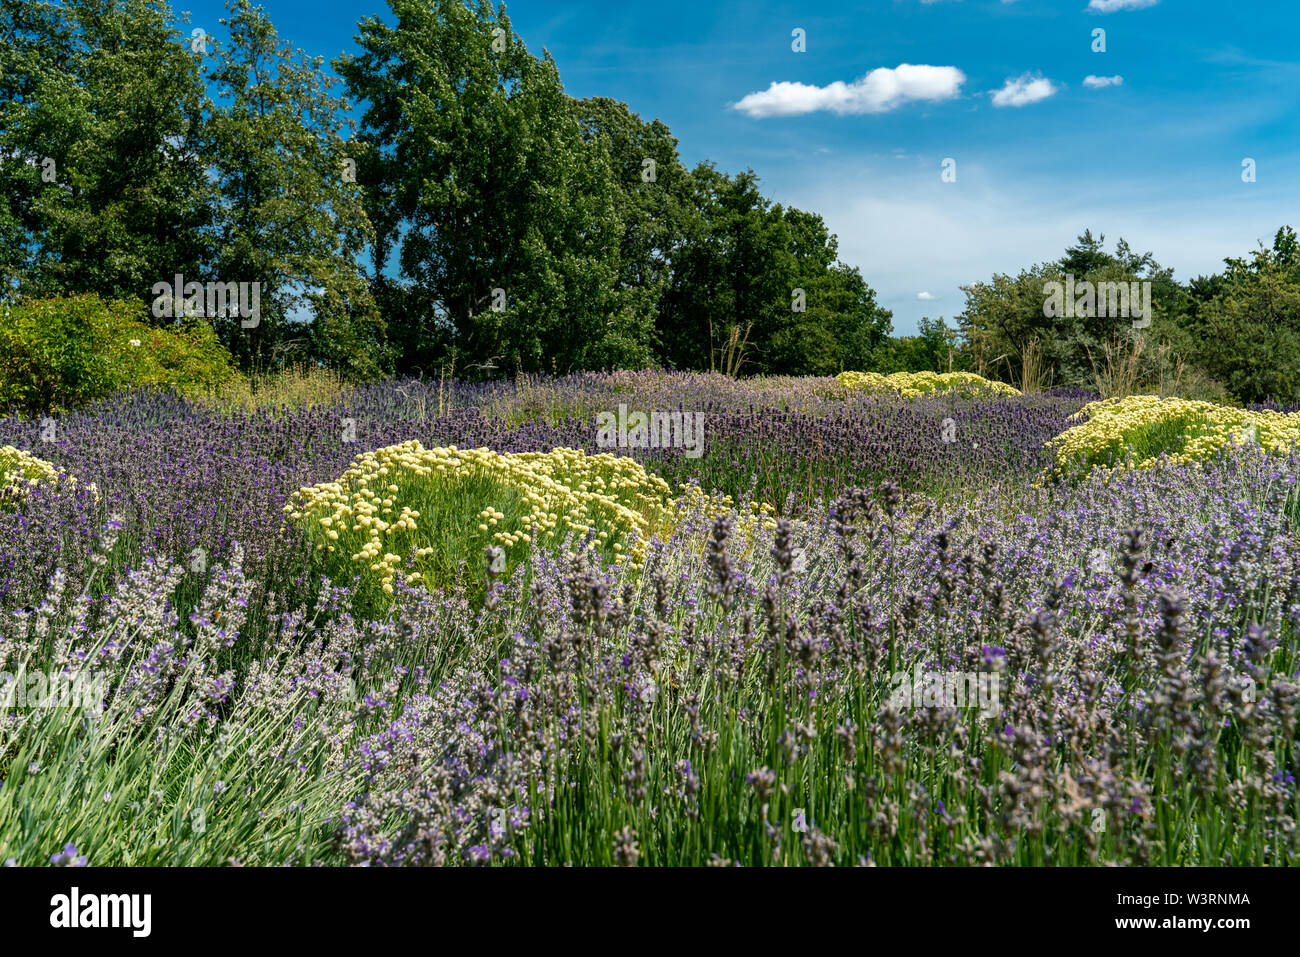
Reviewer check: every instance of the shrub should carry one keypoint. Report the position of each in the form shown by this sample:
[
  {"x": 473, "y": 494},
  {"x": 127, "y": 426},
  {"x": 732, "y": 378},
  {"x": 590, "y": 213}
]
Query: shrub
[
  {"x": 59, "y": 354},
  {"x": 19, "y": 471},
  {"x": 431, "y": 514},
  {"x": 913, "y": 384},
  {"x": 1139, "y": 431}
]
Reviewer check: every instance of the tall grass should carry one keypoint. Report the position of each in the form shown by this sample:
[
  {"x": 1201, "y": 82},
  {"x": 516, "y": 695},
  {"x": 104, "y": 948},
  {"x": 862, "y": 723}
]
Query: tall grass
[{"x": 298, "y": 386}]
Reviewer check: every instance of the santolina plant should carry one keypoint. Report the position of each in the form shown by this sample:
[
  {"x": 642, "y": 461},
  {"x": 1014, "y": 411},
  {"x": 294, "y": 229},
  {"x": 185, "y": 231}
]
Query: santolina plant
[
  {"x": 1140, "y": 431},
  {"x": 21, "y": 471},
  {"x": 913, "y": 384},
  {"x": 23, "y": 468},
  {"x": 423, "y": 513}
]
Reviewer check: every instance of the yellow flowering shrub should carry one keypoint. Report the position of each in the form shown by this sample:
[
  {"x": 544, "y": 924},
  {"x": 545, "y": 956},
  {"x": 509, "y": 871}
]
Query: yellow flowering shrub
[
  {"x": 419, "y": 513},
  {"x": 1135, "y": 431},
  {"x": 910, "y": 385},
  {"x": 20, "y": 470}
]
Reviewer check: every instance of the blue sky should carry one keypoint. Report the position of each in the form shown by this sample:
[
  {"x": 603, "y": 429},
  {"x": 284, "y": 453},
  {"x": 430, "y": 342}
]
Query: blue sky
[{"x": 1001, "y": 88}]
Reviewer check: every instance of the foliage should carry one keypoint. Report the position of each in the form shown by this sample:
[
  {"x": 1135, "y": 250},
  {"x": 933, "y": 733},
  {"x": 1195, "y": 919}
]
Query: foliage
[
  {"x": 63, "y": 353},
  {"x": 137, "y": 166},
  {"x": 1005, "y": 317},
  {"x": 742, "y": 268},
  {"x": 478, "y": 175},
  {"x": 1247, "y": 333},
  {"x": 289, "y": 210},
  {"x": 935, "y": 348},
  {"x": 102, "y": 105},
  {"x": 652, "y": 191}
]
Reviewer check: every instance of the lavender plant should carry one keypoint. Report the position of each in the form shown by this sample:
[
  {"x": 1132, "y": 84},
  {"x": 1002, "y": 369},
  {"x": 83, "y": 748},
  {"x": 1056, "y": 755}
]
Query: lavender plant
[{"x": 928, "y": 660}]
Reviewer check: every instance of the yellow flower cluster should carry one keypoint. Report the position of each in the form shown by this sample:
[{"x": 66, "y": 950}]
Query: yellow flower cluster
[
  {"x": 549, "y": 494},
  {"x": 913, "y": 384},
  {"x": 18, "y": 466},
  {"x": 710, "y": 506},
  {"x": 1135, "y": 430},
  {"x": 20, "y": 470}
]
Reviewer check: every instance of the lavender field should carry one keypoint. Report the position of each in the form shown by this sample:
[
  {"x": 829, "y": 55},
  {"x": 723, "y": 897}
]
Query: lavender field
[{"x": 871, "y": 633}]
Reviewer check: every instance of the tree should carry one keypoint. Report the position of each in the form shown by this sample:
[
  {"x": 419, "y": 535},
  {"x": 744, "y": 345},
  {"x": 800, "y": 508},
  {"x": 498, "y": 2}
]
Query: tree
[
  {"x": 653, "y": 192},
  {"x": 732, "y": 276},
  {"x": 756, "y": 287},
  {"x": 478, "y": 175},
  {"x": 1247, "y": 334},
  {"x": 35, "y": 43},
  {"x": 1005, "y": 324},
  {"x": 101, "y": 110},
  {"x": 935, "y": 348},
  {"x": 1087, "y": 255},
  {"x": 290, "y": 214},
  {"x": 841, "y": 326}
]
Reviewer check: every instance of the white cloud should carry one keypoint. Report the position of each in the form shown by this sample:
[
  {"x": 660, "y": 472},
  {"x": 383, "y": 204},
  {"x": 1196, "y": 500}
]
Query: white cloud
[
  {"x": 1023, "y": 90},
  {"x": 880, "y": 91},
  {"x": 927, "y": 296},
  {"x": 1100, "y": 82},
  {"x": 1111, "y": 6}
]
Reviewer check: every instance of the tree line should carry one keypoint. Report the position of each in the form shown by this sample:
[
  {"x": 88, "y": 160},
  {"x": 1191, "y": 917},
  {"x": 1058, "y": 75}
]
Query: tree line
[
  {"x": 1230, "y": 335},
  {"x": 436, "y": 199}
]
